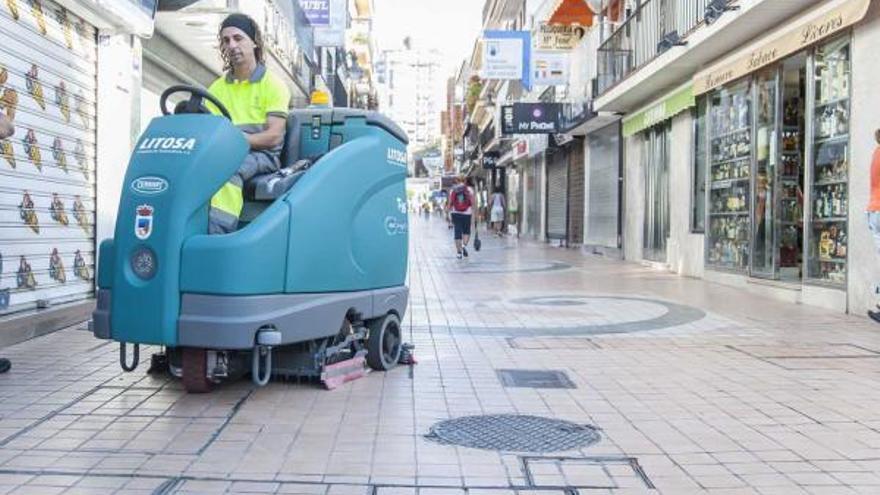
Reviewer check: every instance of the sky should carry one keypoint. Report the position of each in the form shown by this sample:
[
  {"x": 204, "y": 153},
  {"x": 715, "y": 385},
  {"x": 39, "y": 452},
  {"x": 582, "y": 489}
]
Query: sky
[{"x": 450, "y": 26}]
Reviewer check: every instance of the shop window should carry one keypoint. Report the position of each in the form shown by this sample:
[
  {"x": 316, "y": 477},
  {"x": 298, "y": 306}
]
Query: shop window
[
  {"x": 700, "y": 162},
  {"x": 830, "y": 193},
  {"x": 730, "y": 147}
]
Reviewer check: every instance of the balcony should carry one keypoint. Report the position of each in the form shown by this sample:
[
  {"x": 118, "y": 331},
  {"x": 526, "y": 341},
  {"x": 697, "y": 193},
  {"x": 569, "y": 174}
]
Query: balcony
[
  {"x": 646, "y": 35},
  {"x": 634, "y": 68}
]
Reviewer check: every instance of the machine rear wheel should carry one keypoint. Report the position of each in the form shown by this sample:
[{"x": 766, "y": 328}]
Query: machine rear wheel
[
  {"x": 195, "y": 370},
  {"x": 384, "y": 343}
]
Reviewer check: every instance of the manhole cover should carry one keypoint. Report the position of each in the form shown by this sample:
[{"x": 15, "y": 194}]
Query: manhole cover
[
  {"x": 514, "y": 433},
  {"x": 535, "y": 379}
]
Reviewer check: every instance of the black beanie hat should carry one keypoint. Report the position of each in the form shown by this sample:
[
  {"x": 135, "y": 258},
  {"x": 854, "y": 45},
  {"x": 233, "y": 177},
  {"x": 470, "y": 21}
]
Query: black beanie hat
[{"x": 242, "y": 22}]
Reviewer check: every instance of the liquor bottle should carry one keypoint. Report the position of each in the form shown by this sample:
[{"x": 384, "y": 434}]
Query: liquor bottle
[
  {"x": 731, "y": 117},
  {"x": 841, "y": 244},
  {"x": 829, "y": 212},
  {"x": 835, "y": 202},
  {"x": 819, "y": 207}
]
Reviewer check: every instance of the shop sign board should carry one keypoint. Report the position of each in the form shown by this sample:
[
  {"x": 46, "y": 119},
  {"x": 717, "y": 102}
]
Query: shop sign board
[
  {"x": 818, "y": 25},
  {"x": 550, "y": 69},
  {"x": 507, "y": 56},
  {"x": 668, "y": 107},
  {"x": 531, "y": 118},
  {"x": 558, "y": 36},
  {"x": 317, "y": 11}
]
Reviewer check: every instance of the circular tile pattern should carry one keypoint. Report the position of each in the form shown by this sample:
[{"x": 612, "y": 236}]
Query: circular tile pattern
[
  {"x": 601, "y": 315},
  {"x": 486, "y": 266},
  {"x": 552, "y": 301},
  {"x": 514, "y": 433}
]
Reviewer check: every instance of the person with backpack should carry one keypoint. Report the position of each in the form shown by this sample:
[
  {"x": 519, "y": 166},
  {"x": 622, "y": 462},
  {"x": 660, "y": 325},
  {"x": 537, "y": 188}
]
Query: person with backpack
[{"x": 461, "y": 209}]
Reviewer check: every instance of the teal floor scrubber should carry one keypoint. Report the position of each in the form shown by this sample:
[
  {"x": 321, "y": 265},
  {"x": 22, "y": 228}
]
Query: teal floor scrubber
[{"x": 311, "y": 284}]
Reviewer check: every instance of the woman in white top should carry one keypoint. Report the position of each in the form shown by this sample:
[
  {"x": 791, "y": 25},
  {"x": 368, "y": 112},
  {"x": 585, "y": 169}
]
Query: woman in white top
[{"x": 496, "y": 215}]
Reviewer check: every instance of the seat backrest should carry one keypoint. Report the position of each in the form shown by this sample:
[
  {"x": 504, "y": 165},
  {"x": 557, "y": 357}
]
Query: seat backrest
[{"x": 290, "y": 150}]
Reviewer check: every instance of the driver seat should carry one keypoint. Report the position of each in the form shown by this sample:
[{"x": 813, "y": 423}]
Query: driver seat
[{"x": 261, "y": 190}]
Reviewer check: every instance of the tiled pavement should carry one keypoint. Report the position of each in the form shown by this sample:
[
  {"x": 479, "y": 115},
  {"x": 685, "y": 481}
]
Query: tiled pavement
[{"x": 696, "y": 388}]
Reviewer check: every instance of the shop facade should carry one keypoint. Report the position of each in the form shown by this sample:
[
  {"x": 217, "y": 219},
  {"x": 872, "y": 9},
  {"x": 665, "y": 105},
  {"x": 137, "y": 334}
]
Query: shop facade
[
  {"x": 64, "y": 63},
  {"x": 773, "y": 143}
]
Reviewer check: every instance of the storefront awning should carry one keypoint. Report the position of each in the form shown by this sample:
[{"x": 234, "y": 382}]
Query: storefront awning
[
  {"x": 571, "y": 12},
  {"x": 667, "y": 107},
  {"x": 583, "y": 12},
  {"x": 827, "y": 20}
]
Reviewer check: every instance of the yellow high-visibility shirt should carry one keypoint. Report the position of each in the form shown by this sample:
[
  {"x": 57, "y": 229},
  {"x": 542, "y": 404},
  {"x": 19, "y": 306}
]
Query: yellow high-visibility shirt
[{"x": 252, "y": 101}]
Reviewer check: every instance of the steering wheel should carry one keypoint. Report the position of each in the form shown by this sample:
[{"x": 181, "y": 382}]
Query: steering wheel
[{"x": 194, "y": 104}]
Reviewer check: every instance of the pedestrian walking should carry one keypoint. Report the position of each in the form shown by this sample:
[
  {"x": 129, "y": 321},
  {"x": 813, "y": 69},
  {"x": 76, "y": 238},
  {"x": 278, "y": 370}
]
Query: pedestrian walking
[
  {"x": 873, "y": 209},
  {"x": 7, "y": 129},
  {"x": 496, "y": 214},
  {"x": 461, "y": 210}
]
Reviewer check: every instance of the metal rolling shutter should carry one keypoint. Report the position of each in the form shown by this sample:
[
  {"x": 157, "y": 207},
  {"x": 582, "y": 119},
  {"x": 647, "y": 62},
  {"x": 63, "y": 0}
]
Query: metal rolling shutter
[
  {"x": 48, "y": 66},
  {"x": 576, "y": 193},
  {"x": 557, "y": 195},
  {"x": 603, "y": 198}
]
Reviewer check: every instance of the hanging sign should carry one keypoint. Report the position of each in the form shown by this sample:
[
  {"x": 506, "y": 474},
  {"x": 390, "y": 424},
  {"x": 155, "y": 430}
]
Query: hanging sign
[
  {"x": 507, "y": 56},
  {"x": 520, "y": 149},
  {"x": 490, "y": 160},
  {"x": 317, "y": 11},
  {"x": 550, "y": 69},
  {"x": 332, "y": 34},
  {"x": 558, "y": 36},
  {"x": 531, "y": 118}
]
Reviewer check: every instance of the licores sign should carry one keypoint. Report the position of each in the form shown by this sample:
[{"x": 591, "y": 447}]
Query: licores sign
[{"x": 830, "y": 19}]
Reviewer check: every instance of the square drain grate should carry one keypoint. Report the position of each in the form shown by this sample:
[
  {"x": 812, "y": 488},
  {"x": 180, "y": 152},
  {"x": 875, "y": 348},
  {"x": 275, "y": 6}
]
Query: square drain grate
[
  {"x": 535, "y": 379},
  {"x": 586, "y": 473}
]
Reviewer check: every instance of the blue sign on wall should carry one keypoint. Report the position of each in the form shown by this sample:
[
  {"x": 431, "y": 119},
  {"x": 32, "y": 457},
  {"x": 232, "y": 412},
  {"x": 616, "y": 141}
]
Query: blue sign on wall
[
  {"x": 317, "y": 11},
  {"x": 525, "y": 37}
]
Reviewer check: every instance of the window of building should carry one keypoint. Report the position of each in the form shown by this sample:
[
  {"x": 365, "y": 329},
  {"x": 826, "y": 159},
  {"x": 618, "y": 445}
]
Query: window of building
[{"x": 700, "y": 155}]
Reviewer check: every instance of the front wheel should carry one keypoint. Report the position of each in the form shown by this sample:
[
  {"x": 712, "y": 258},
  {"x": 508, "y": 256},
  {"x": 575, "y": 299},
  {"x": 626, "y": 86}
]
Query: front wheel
[
  {"x": 195, "y": 371},
  {"x": 385, "y": 342}
]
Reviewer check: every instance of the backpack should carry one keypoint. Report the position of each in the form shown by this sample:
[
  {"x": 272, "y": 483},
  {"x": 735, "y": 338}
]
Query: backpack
[{"x": 461, "y": 199}]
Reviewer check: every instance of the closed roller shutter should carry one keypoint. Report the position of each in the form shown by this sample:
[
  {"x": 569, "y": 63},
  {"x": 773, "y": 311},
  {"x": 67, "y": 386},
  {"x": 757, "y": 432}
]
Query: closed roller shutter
[
  {"x": 47, "y": 169},
  {"x": 557, "y": 195},
  {"x": 604, "y": 187}
]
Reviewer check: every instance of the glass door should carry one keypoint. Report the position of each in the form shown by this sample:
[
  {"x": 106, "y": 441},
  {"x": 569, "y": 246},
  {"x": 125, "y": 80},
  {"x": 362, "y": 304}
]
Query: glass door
[
  {"x": 764, "y": 206},
  {"x": 830, "y": 164},
  {"x": 790, "y": 190}
]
